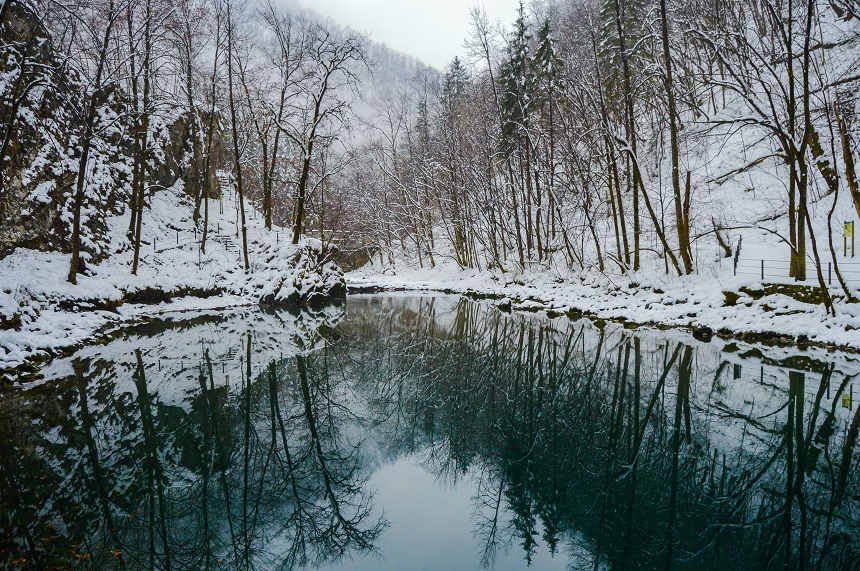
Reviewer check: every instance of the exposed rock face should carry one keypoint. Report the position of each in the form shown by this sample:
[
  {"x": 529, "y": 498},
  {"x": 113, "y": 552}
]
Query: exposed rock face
[
  {"x": 40, "y": 125},
  {"x": 33, "y": 180},
  {"x": 180, "y": 159},
  {"x": 40, "y": 128},
  {"x": 314, "y": 280},
  {"x": 351, "y": 256}
]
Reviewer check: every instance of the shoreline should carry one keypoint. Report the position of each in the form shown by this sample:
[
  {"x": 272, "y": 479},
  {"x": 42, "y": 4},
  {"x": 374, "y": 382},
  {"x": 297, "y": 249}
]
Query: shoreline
[
  {"x": 770, "y": 339},
  {"x": 101, "y": 325},
  {"x": 698, "y": 314}
]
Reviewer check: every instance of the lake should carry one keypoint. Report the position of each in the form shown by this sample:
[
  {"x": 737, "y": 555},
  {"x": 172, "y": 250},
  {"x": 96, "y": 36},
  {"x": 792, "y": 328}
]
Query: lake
[{"x": 429, "y": 432}]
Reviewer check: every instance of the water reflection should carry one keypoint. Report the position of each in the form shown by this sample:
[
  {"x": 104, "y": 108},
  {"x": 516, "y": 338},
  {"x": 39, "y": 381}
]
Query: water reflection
[{"x": 274, "y": 441}]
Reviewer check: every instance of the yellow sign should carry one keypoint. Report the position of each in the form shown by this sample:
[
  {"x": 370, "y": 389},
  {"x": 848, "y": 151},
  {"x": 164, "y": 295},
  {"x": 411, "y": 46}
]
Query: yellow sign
[
  {"x": 846, "y": 401},
  {"x": 849, "y": 229}
]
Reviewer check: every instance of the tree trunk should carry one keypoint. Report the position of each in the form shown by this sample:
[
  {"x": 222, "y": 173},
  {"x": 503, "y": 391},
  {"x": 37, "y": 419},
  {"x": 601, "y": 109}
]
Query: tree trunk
[
  {"x": 848, "y": 159},
  {"x": 85, "y": 151},
  {"x": 300, "y": 195},
  {"x": 630, "y": 128},
  {"x": 680, "y": 218},
  {"x": 237, "y": 164},
  {"x": 144, "y": 137}
]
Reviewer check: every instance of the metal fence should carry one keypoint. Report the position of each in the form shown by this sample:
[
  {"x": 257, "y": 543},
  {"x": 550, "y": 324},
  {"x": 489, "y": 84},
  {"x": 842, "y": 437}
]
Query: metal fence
[{"x": 780, "y": 270}]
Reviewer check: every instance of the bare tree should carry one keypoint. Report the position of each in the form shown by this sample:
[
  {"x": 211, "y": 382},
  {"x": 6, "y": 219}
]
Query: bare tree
[
  {"x": 98, "y": 28},
  {"x": 231, "y": 29},
  {"x": 322, "y": 105}
]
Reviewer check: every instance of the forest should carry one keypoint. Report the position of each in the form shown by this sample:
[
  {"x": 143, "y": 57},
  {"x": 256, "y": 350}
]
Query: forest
[
  {"x": 631, "y": 134},
  {"x": 605, "y": 138},
  {"x": 625, "y": 230}
]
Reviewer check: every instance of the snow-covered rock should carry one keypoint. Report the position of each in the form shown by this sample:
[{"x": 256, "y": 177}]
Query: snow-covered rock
[
  {"x": 313, "y": 278},
  {"x": 41, "y": 313}
]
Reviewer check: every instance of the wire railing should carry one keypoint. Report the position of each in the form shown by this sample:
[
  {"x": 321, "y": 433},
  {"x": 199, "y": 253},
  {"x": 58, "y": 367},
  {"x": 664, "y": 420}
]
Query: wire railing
[
  {"x": 184, "y": 239},
  {"x": 781, "y": 270}
]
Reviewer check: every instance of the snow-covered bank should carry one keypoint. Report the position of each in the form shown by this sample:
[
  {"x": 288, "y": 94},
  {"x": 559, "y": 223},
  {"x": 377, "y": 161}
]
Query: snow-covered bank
[
  {"x": 696, "y": 301},
  {"x": 42, "y": 313}
]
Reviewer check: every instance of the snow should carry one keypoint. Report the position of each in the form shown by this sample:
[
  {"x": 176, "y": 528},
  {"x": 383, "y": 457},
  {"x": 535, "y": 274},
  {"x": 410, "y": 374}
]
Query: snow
[
  {"x": 750, "y": 201},
  {"x": 55, "y": 314},
  {"x": 33, "y": 285},
  {"x": 647, "y": 296}
]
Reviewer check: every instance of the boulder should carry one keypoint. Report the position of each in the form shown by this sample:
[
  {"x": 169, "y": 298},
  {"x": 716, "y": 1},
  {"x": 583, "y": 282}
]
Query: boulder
[{"x": 313, "y": 279}]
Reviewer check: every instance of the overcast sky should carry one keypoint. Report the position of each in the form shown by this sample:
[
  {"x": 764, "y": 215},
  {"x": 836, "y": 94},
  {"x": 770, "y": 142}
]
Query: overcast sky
[{"x": 431, "y": 30}]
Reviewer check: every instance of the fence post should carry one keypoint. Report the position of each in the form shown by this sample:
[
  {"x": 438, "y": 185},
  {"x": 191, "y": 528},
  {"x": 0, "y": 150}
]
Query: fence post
[
  {"x": 177, "y": 238},
  {"x": 762, "y": 270},
  {"x": 153, "y": 243}
]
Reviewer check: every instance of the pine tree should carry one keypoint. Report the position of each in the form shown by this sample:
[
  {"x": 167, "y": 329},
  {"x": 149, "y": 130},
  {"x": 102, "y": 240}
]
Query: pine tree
[
  {"x": 546, "y": 69},
  {"x": 454, "y": 90},
  {"x": 516, "y": 80}
]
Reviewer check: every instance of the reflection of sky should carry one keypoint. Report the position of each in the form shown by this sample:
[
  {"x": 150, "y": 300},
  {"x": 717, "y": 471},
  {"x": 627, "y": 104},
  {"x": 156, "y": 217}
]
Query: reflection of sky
[{"x": 432, "y": 525}]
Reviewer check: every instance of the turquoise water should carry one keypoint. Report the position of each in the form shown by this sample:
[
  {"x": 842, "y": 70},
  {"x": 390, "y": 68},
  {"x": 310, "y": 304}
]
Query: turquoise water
[{"x": 405, "y": 432}]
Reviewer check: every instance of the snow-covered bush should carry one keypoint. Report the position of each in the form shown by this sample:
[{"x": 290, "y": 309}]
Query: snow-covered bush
[{"x": 313, "y": 278}]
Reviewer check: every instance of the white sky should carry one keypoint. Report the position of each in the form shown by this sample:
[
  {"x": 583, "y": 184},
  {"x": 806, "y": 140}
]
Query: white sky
[{"x": 431, "y": 30}]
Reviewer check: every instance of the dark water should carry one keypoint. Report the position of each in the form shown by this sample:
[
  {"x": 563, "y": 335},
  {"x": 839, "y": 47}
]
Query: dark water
[{"x": 429, "y": 433}]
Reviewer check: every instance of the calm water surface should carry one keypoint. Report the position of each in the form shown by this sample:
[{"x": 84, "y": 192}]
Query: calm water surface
[{"x": 429, "y": 433}]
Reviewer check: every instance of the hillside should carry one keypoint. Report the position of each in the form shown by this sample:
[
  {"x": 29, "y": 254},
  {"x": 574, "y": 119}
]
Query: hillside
[
  {"x": 701, "y": 177},
  {"x": 190, "y": 190},
  {"x": 42, "y": 313}
]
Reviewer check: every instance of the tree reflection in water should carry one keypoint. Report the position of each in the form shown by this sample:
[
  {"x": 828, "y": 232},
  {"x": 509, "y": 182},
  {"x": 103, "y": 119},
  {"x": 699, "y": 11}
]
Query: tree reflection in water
[
  {"x": 247, "y": 443},
  {"x": 254, "y": 475}
]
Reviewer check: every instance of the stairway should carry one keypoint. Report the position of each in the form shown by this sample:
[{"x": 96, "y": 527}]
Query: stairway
[{"x": 230, "y": 246}]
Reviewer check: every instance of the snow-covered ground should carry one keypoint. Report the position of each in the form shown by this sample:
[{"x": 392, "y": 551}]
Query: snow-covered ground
[
  {"x": 51, "y": 314},
  {"x": 648, "y": 296}
]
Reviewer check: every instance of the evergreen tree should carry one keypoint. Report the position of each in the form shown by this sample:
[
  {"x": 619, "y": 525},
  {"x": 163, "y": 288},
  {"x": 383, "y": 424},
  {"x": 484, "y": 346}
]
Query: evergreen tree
[
  {"x": 517, "y": 82},
  {"x": 546, "y": 69},
  {"x": 454, "y": 91}
]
